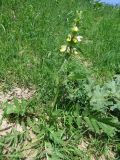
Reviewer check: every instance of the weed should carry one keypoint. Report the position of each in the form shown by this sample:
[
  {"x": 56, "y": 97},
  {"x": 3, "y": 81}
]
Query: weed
[{"x": 71, "y": 116}]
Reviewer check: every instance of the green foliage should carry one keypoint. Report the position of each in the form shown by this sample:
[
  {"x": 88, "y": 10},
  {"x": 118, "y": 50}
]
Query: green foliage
[
  {"x": 106, "y": 97},
  {"x": 18, "y": 108},
  {"x": 69, "y": 105},
  {"x": 102, "y": 125}
]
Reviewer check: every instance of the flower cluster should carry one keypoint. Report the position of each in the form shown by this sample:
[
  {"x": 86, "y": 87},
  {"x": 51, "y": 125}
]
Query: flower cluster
[{"x": 73, "y": 38}]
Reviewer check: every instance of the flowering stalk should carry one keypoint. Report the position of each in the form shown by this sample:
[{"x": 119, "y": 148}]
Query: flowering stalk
[
  {"x": 73, "y": 38},
  {"x": 68, "y": 49}
]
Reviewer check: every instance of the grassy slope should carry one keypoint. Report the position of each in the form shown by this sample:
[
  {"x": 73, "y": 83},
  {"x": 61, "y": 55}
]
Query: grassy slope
[
  {"x": 31, "y": 34},
  {"x": 102, "y": 27},
  {"x": 30, "y": 31}
]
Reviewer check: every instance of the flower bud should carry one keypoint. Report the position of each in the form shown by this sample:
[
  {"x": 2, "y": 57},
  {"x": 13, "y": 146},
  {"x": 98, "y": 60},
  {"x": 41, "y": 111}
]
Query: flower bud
[
  {"x": 63, "y": 48},
  {"x": 75, "y": 29},
  {"x": 69, "y": 38}
]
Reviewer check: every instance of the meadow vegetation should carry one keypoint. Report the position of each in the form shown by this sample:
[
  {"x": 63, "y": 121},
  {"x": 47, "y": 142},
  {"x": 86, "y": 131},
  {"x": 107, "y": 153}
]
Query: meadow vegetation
[{"x": 68, "y": 52}]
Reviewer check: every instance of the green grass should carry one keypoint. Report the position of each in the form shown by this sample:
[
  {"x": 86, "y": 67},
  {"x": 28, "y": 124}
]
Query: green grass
[
  {"x": 102, "y": 27},
  {"x": 32, "y": 32}
]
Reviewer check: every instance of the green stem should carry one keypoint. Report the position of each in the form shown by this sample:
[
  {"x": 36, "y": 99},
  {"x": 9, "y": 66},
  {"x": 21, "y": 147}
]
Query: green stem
[{"x": 58, "y": 84}]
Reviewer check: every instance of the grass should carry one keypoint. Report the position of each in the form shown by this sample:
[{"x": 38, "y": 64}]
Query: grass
[
  {"x": 103, "y": 32},
  {"x": 31, "y": 35}
]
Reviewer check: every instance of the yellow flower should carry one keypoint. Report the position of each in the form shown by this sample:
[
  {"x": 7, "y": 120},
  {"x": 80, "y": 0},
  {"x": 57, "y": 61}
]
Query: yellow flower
[
  {"x": 75, "y": 51},
  {"x": 69, "y": 38},
  {"x": 75, "y": 29},
  {"x": 75, "y": 40},
  {"x": 63, "y": 48}
]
